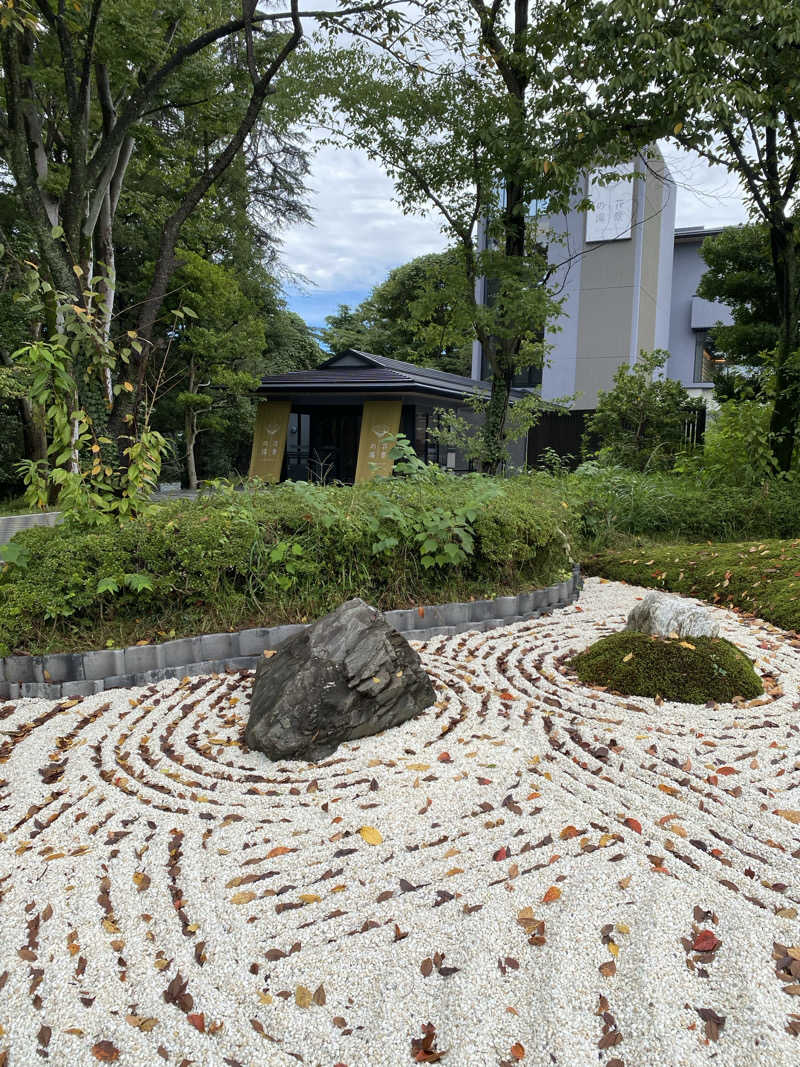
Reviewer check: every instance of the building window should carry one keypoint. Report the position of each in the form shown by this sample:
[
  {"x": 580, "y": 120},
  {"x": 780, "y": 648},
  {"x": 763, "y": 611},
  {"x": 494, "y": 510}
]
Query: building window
[{"x": 707, "y": 361}]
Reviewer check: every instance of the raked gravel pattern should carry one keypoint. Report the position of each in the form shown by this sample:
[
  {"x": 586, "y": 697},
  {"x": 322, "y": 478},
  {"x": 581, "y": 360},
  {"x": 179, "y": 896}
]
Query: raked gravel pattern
[{"x": 561, "y": 875}]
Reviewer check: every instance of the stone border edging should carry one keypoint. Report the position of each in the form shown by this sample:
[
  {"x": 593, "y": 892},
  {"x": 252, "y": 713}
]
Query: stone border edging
[{"x": 79, "y": 674}]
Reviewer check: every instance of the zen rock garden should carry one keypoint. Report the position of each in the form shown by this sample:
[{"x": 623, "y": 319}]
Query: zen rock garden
[{"x": 516, "y": 834}]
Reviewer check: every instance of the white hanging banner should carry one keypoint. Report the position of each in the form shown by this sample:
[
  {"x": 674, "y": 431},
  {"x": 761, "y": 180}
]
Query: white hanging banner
[{"x": 611, "y": 217}]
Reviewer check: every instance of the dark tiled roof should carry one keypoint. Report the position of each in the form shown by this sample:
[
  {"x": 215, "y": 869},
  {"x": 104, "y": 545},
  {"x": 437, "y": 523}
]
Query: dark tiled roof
[{"x": 377, "y": 374}]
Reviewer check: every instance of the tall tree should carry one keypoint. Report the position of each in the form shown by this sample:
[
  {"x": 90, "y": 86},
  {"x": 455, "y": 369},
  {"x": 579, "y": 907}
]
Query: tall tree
[
  {"x": 410, "y": 316},
  {"x": 84, "y": 83},
  {"x": 722, "y": 79},
  {"x": 479, "y": 134}
]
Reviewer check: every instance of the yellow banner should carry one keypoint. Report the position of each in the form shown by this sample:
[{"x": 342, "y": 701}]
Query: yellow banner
[
  {"x": 380, "y": 420},
  {"x": 269, "y": 439}
]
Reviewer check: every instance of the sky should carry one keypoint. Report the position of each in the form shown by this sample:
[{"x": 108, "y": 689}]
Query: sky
[{"x": 358, "y": 234}]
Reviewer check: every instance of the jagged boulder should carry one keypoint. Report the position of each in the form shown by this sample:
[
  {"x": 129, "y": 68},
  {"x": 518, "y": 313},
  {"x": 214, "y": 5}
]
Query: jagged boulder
[
  {"x": 671, "y": 616},
  {"x": 347, "y": 676}
]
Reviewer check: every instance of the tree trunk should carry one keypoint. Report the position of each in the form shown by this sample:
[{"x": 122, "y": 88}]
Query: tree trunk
[
  {"x": 495, "y": 419},
  {"x": 191, "y": 436},
  {"x": 783, "y": 427}
]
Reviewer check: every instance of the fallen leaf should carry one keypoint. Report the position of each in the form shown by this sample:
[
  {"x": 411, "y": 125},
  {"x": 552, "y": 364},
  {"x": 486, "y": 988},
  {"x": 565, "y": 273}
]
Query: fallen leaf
[
  {"x": 105, "y": 1051},
  {"x": 371, "y": 835},
  {"x": 244, "y": 896},
  {"x": 518, "y": 1051},
  {"x": 608, "y": 969},
  {"x": 552, "y": 894},
  {"x": 281, "y": 850},
  {"x": 706, "y": 941},
  {"x": 788, "y": 813},
  {"x": 633, "y": 824},
  {"x": 197, "y": 1020},
  {"x": 302, "y": 996}
]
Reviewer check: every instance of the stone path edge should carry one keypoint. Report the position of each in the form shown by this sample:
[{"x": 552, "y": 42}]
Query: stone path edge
[{"x": 79, "y": 674}]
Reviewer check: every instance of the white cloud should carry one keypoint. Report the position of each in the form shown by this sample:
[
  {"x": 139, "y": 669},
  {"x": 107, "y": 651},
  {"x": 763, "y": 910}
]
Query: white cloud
[{"x": 358, "y": 234}]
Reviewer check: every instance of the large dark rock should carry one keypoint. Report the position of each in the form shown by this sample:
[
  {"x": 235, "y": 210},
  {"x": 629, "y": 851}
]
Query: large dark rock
[{"x": 347, "y": 676}]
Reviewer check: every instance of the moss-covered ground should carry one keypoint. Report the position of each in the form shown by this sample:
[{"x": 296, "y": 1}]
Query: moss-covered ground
[
  {"x": 692, "y": 672},
  {"x": 761, "y": 578}
]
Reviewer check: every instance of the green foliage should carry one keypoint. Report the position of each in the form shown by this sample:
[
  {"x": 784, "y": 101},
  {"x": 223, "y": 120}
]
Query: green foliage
[
  {"x": 692, "y": 672},
  {"x": 468, "y": 434},
  {"x": 269, "y": 554},
  {"x": 757, "y": 577},
  {"x": 614, "y": 503},
  {"x": 736, "y": 445},
  {"x": 740, "y": 274},
  {"x": 640, "y": 421},
  {"x": 91, "y": 489},
  {"x": 418, "y": 314}
]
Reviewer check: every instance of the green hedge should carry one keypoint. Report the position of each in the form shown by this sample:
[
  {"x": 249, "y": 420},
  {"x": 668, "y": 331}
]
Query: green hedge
[
  {"x": 613, "y": 502},
  {"x": 286, "y": 553},
  {"x": 759, "y": 577}
]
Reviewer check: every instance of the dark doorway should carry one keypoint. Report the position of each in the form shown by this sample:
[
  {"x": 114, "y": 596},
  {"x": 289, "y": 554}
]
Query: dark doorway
[{"x": 333, "y": 444}]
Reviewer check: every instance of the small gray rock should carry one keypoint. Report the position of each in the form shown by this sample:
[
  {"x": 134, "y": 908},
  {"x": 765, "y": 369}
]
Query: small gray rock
[
  {"x": 347, "y": 676},
  {"x": 666, "y": 615}
]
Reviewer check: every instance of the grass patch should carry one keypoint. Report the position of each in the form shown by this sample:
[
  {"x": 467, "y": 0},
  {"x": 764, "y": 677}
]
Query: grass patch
[
  {"x": 759, "y": 578},
  {"x": 692, "y": 672}
]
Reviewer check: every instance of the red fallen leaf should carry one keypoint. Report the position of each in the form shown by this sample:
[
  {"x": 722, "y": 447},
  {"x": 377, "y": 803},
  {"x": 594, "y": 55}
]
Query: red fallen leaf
[
  {"x": 727, "y": 770},
  {"x": 706, "y": 941},
  {"x": 500, "y": 854},
  {"x": 444, "y": 757},
  {"x": 518, "y": 1051},
  {"x": 505, "y": 695},
  {"x": 553, "y": 893},
  {"x": 633, "y": 824},
  {"x": 105, "y": 1051},
  {"x": 484, "y": 781},
  {"x": 198, "y": 1020},
  {"x": 533, "y": 796}
]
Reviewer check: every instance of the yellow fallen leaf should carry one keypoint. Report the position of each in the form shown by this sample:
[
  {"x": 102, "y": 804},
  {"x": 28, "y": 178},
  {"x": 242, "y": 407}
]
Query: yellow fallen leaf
[
  {"x": 613, "y": 948},
  {"x": 371, "y": 835},
  {"x": 161, "y": 965},
  {"x": 788, "y": 813},
  {"x": 310, "y": 898},
  {"x": 110, "y": 926},
  {"x": 265, "y": 998},
  {"x": 628, "y": 658},
  {"x": 686, "y": 644},
  {"x": 623, "y": 928},
  {"x": 244, "y": 896},
  {"x": 455, "y": 870},
  {"x": 623, "y": 883},
  {"x": 418, "y": 766},
  {"x": 302, "y": 996}
]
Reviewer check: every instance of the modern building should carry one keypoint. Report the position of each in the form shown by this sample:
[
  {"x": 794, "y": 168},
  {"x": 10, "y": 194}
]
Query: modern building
[{"x": 628, "y": 280}]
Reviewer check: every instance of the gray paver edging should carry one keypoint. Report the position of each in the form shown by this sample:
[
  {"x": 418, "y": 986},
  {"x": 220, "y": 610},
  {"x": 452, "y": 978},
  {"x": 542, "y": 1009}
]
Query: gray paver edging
[{"x": 81, "y": 674}]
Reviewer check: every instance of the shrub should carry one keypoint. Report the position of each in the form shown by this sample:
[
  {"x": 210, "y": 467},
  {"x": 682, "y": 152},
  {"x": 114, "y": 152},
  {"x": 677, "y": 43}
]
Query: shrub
[
  {"x": 611, "y": 501},
  {"x": 282, "y": 553},
  {"x": 692, "y": 672},
  {"x": 640, "y": 422}
]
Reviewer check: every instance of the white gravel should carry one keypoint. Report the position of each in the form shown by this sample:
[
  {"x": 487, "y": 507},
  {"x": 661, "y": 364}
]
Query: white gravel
[{"x": 116, "y": 874}]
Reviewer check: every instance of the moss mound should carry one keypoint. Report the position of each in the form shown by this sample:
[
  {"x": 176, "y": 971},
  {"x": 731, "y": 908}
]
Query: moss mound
[{"x": 693, "y": 672}]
